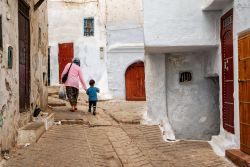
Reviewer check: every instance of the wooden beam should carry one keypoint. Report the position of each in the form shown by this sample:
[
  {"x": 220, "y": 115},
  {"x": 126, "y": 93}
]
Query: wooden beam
[{"x": 38, "y": 4}]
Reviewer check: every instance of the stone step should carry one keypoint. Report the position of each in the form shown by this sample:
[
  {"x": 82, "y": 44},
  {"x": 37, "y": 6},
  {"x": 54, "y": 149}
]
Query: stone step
[
  {"x": 238, "y": 157},
  {"x": 57, "y": 104},
  {"x": 30, "y": 133},
  {"x": 34, "y": 130}
]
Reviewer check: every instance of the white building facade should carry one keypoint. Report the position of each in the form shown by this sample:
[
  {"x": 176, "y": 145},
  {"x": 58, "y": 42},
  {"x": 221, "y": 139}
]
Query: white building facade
[
  {"x": 192, "y": 69},
  {"x": 116, "y": 42},
  {"x": 125, "y": 41}
]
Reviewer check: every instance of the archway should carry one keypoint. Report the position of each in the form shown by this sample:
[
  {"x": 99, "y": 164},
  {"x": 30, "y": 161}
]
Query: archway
[{"x": 135, "y": 82}]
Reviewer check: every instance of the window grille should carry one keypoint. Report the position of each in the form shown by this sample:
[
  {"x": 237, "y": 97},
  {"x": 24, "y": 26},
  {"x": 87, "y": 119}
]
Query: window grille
[
  {"x": 228, "y": 21},
  {"x": 1, "y": 34},
  {"x": 185, "y": 77},
  {"x": 89, "y": 27}
]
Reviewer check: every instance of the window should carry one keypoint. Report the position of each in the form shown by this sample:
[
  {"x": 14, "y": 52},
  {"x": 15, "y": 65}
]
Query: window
[
  {"x": 89, "y": 27},
  {"x": 1, "y": 34},
  {"x": 39, "y": 36},
  {"x": 10, "y": 57},
  {"x": 185, "y": 77}
]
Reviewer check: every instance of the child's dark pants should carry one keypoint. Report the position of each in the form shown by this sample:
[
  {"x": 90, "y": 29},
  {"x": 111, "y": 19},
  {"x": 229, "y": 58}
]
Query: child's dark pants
[{"x": 92, "y": 103}]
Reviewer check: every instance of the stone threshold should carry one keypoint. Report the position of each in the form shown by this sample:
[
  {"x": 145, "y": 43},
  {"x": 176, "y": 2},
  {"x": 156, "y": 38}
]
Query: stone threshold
[{"x": 238, "y": 157}]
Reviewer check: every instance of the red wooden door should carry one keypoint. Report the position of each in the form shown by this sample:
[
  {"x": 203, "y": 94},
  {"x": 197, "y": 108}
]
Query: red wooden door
[
  {"x": 227, "y": 71},
  {"x": 135, "y": 82},
  {"x": 24, "y": 56},
  {"x": 244, "y": 91},
  {"x": 65, "y": 56}
]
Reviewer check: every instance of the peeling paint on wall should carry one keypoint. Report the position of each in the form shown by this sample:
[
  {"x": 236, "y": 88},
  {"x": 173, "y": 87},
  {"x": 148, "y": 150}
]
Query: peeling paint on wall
[{"x": 9, "y": 78}]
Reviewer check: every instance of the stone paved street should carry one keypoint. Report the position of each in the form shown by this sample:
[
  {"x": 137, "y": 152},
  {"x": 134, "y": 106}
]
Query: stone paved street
[{"x": 104, "y": 141}]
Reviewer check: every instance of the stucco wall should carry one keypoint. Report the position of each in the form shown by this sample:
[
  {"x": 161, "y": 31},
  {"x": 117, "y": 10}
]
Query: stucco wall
[
  {"x": 9, "y": 78},
  {"x": 121, "y": 12},
  {"x": 114, "y": 28},
  {"x": 124, "y": 40},
  {"x": 156, "y": 87},
  {"x": 66, "y": 25},
  {"x": 156, "y": 92},
  {"x": 193, "y": 107},
  {"x": 181, "y": 22},
  {"x": 118, "y": 62}
]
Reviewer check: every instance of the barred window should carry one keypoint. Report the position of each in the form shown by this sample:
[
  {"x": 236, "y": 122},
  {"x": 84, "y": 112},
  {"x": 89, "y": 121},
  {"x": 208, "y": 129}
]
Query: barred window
[
  {"x": 1, "y": 34},
  {"x": 88, "y": 26},
  {"x": 185, "y": 77}
]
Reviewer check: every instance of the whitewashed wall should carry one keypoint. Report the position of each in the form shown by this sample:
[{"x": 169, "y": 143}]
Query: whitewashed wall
[
  {"x": 118, "y": 25},
  {"x": 195, "y": 26},
  {"x": 179, "y": 23},
  {"x": 118, "y": 62},
  {"x": 66, "y": 25},
  {"x": 193, "y": 107},
  {"x": 124, "y": 40}
]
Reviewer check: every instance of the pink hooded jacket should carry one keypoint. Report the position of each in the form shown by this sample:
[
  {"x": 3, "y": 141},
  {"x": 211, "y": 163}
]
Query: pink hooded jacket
[{"x": 75, "y": 75}]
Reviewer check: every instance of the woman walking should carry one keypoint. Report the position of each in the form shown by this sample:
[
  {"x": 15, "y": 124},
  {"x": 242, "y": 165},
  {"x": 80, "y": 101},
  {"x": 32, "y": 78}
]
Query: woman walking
[{"x": 72, "y": 83}]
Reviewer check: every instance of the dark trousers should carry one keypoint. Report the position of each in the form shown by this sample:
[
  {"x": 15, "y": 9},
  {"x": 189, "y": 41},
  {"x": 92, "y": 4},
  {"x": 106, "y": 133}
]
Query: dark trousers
[{"x": 92, "y": 103}]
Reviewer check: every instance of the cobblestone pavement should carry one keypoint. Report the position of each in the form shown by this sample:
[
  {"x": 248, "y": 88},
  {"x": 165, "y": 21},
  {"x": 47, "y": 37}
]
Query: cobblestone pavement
[{"x": 103, "y": 141}]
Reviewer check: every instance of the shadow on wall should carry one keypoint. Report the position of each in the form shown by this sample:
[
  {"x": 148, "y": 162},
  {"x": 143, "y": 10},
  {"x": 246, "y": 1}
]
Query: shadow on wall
[{"x": 192, "y": 99}]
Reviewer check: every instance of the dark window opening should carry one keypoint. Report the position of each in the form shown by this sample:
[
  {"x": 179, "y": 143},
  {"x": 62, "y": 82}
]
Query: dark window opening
[
  {"x": 49, "y": 66},
  {"x": 1, "y": 34},
  {"x": 185, "y": 77},
  {"x": 10, "y": 57},
  {"x": 39, "y": 36},
  {"x": 89, "y": 27}
]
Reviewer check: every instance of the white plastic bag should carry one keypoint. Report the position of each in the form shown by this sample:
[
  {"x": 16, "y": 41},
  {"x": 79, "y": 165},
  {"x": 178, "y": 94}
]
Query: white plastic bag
[{"x": 62, "y": 92}]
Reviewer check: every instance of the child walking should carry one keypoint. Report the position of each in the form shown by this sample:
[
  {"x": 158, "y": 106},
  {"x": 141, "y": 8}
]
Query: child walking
[{"x": 92, "y": 93}]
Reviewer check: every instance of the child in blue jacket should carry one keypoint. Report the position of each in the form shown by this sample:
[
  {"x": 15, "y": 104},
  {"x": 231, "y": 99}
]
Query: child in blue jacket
[{"x": 92, "y": 93}]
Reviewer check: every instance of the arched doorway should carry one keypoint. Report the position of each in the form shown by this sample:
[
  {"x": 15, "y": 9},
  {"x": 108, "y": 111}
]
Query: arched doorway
[{"x": 135, "y": 82}]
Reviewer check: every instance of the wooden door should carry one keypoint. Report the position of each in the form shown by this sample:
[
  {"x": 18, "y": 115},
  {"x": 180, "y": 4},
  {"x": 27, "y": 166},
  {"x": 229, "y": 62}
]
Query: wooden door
[
  {"x": 244, "y": 91},
  {"x": 65, "y": 56},
  {"x": 24, "y": 56},
  {"x": 135, "y": 82},
  {"x": 227, "y": 71}
]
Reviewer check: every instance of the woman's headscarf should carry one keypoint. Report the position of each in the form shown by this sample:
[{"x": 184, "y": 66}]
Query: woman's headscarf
[{"x": 76, "y": 61}]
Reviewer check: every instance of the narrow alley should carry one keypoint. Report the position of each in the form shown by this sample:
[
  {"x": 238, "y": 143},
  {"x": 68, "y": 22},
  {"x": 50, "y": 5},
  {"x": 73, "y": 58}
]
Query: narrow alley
[
  {"x": 113, "y": 138},
  {"x": 124, "y": 83}
]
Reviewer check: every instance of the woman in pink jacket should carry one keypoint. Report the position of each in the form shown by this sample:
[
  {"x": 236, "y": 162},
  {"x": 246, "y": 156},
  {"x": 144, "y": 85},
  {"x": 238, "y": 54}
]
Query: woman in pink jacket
[{"x": 72, "y": 84}]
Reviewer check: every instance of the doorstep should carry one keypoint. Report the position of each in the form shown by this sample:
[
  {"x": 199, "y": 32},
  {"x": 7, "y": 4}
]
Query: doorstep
[
  {"x": 238, "y": 157},
  {"x": 30, "y": 133},
  {"x": 34, "y": 130}
]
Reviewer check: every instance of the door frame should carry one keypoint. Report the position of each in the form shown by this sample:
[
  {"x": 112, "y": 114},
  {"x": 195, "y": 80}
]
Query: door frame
[
  {"x": 21, "y": 4},
  {"x": 230, "y": 129}
]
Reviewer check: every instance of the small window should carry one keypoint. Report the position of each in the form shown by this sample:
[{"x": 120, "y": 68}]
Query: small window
[
  {"x": 89, "y": 27},
  {"x": 10, "y": 57},
  {"x": 1, "y": 34},
  {"x": 185, "y": 77},
  {"x": 39, "y": 36}
]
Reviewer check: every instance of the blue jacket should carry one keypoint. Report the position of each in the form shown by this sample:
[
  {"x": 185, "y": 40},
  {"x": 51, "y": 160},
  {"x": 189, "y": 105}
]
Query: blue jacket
[{"x": 92, "y": 93}]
